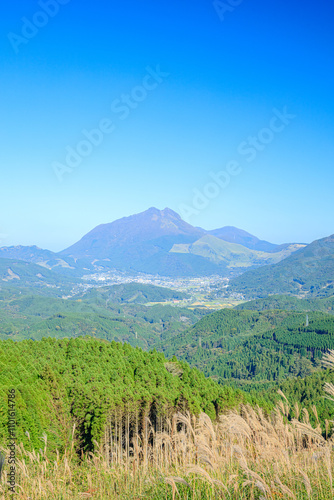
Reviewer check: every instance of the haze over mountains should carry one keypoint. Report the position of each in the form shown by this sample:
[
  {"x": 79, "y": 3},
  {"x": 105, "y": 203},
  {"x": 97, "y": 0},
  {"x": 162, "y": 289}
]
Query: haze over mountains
[{"x": 158, "y": 242}]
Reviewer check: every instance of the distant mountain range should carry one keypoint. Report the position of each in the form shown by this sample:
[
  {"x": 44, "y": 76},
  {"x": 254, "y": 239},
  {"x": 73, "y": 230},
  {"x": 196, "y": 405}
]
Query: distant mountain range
[{"x": 160, "y": 242}]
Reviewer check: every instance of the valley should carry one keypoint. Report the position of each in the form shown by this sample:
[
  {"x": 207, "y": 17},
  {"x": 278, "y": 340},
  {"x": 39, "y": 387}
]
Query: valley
[
  {"x": 119, "y": 350},
  {"x": 200, "y": 291}
]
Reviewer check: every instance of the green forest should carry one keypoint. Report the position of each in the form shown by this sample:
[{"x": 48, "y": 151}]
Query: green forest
[
  {"x": 89, "y": 382},
  {"x": 289, "y": 303},
  {"x": 110, "y": 313},
  {"x": 107, "y": 357},
  {"x": 246, "y": 347},
  {"x": 308, "y": 273}
]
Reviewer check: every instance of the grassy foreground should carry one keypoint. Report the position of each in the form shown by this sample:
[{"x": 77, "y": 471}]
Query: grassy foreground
[{"x": 244, "y": 455}]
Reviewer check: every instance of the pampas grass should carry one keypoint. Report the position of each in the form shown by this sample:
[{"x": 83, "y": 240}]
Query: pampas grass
[{"x": 243, "y": 455}]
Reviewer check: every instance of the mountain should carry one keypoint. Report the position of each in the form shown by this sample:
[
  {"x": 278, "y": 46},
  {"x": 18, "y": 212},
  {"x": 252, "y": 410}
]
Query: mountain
[
  {"x": 307, "y": 273},
  {"x": 157, "y": 242},
  {"x": 160, "y": 242},
  {"x": 149, "y": 231},
  {"x": 142, "y": 243},
  {"x": 235, "y": 235}
]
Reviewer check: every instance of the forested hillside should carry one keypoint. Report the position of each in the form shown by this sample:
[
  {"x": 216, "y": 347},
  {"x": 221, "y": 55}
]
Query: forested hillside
[
  {"x": 250, "y": 346},
  {"x": 307, "y": 273},
  {"x": 17, "y": 273},
  {"x": 307, "y": 392},
  {"x": 24, "y": 316},
  {"x": 289, "y": 303},
  {"x": 91, "y": 382},
  {"x": 133, "y": 293}
]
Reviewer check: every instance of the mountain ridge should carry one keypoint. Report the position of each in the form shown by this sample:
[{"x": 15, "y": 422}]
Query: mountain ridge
[
  {"x": 152, "y": 242},
  {"x": 157, "y": 242},
  {"x": 309, "y": 272}
]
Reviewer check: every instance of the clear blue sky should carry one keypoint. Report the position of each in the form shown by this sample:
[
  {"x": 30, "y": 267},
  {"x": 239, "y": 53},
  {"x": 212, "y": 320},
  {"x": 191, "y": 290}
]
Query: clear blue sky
[{"x": 225, "y": 78}]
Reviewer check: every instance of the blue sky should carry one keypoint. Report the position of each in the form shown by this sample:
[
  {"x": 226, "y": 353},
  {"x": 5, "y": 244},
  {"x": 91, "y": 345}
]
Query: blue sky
[{"x": 226, "y": 77}]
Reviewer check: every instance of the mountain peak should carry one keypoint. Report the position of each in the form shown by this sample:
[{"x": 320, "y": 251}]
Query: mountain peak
[
  {"x": 138, "y": 235},
  {"x": 151, "y": 210},
  {"x": 166, "y": 212}
]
